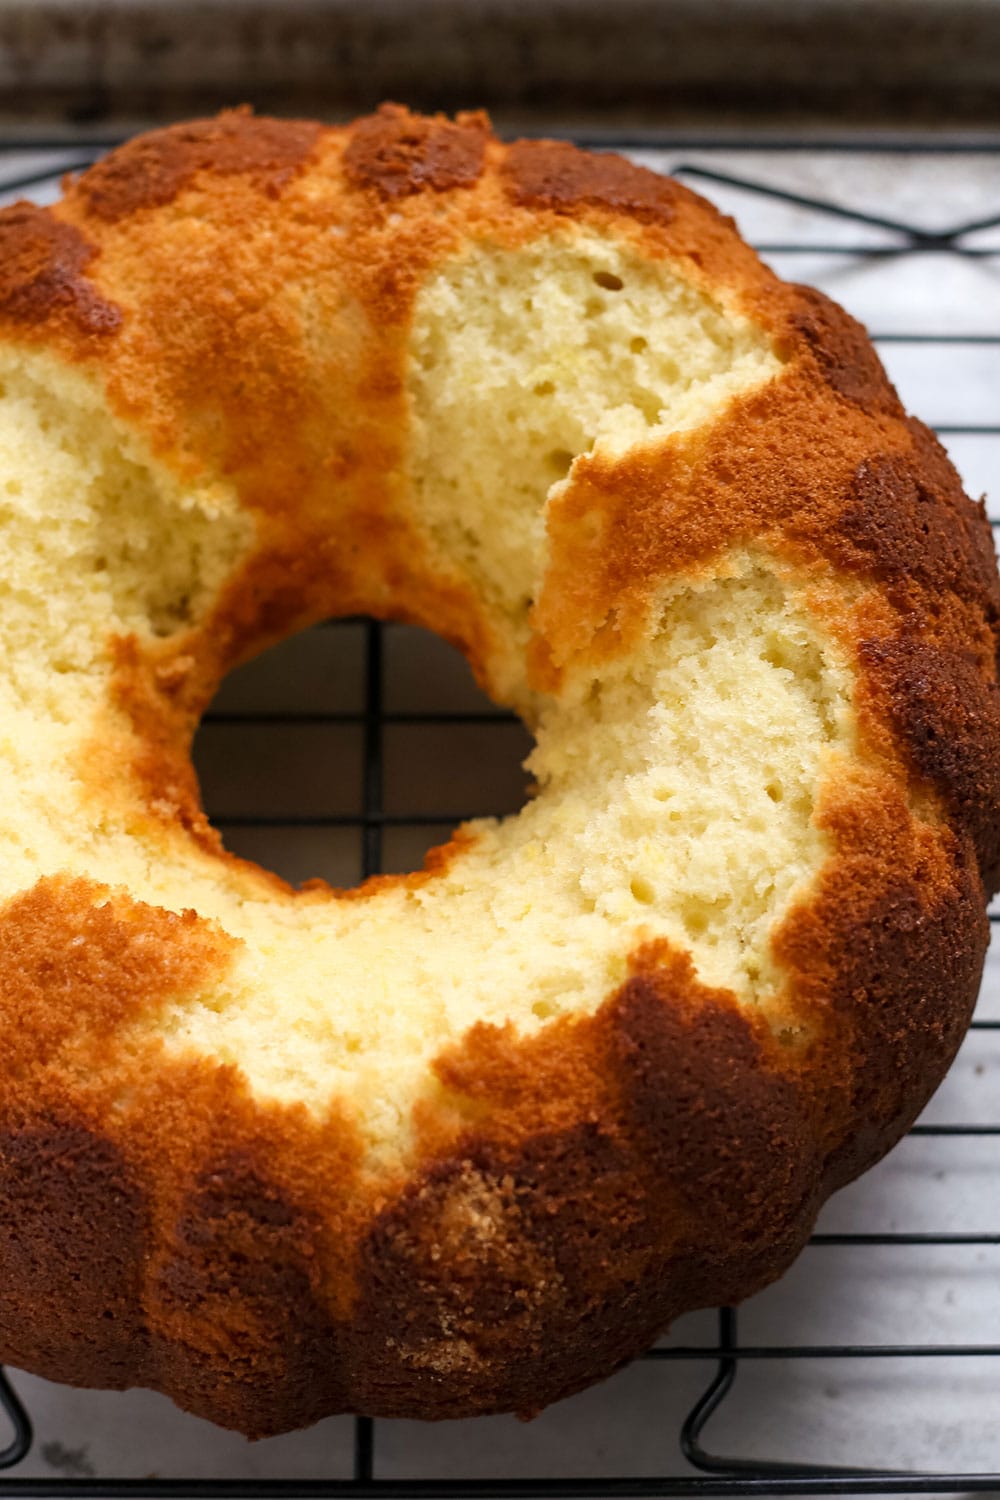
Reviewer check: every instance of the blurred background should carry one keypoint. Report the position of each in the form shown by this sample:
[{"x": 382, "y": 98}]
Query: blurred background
[{"x": 568, "y": 62}]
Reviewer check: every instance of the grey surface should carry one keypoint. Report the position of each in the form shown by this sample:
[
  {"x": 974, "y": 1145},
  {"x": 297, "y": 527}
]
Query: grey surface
[
  {"x": 533, "y": 61},
  {"x": 929, "y": 1414}
]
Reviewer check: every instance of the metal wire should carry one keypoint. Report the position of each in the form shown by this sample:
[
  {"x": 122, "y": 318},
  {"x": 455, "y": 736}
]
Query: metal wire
[
  {"x": 22, "y": 1434},
  {"x": 719, "y": 1474}
]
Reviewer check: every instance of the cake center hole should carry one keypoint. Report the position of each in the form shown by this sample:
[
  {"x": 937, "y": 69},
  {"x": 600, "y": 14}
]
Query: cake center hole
[{"x": 353, "y": 748}]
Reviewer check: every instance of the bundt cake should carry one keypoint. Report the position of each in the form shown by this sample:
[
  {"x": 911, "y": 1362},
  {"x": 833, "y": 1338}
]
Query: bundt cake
[{"x": 464, "y": 1140}]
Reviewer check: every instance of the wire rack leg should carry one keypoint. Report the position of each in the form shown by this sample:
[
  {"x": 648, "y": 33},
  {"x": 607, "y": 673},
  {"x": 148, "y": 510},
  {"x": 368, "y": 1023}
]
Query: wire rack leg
[
  {"x": 364, "y": 1449},
  {"x": 709, "y": 1403},
  {"x": 712, "y": 1399},
  {"x": 371, "y": 853},
  {"x": 371, "y": 864},
  {"x": 20, "y": 1444}
]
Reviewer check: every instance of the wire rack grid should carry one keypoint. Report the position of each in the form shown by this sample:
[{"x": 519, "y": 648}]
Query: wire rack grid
[{"x": 944, "y": 311}]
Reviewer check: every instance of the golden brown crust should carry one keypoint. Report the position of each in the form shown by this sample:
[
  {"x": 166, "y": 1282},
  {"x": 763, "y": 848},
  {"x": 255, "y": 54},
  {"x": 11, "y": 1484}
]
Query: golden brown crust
[
  {"x": 78, "y": 963},
  {"x": 71, "y": 1253},
  {"x": 949, "y": 719},
  {"x": 151, "y": 171},
  {"x": 571, "y": 1192},
  {"x": 42, "y": 281},
  {"x": 844, "y": 352},
  {"x": 397, "y": 153},
  {"x": 557, "y": 176}
]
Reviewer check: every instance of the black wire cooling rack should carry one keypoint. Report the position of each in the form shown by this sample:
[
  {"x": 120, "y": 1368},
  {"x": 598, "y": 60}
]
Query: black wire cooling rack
[{"x": 717, "y": 1473}]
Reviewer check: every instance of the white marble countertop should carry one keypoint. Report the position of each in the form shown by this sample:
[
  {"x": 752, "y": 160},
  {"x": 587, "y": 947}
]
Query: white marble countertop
[{"x": 936, "y": 317}]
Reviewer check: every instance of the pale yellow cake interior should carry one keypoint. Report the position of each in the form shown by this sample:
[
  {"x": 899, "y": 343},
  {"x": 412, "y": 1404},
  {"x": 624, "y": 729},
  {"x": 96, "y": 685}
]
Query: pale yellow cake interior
[
  {"x": 676, "y": 793},
  {"x": 524, "y": 359}
]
